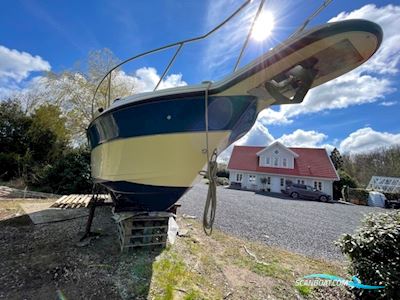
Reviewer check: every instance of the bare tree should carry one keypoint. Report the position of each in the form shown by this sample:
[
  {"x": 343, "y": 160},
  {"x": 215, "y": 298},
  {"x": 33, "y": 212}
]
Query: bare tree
[{"x": 73, "y": 90}]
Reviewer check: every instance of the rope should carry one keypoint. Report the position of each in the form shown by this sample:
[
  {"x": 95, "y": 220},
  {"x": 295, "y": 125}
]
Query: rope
[
  {"x": 211, "y": 174},
  {"x": 211, "y": 201}
]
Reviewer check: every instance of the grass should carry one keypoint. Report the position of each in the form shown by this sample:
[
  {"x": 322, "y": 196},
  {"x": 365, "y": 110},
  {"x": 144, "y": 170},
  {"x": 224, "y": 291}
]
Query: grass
[
  {"x": 304, "y": 290},
  {"x": 174, "y": 275}
]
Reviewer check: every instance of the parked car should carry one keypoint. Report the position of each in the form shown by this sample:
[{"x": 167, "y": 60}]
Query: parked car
[{"x": 306, "y": 192}]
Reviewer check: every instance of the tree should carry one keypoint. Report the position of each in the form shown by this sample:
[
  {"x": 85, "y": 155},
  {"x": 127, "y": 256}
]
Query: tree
[
  {"x": 380, "y": 162},
  {"x": 13, "y": 127},
  {"x": 345, "y": 180},
  {"x": 28, "y": 142},
  {"x": 337, "y": 159},
  {"x": 47, "y": 134},
  {"x": 74, "y": 90}
]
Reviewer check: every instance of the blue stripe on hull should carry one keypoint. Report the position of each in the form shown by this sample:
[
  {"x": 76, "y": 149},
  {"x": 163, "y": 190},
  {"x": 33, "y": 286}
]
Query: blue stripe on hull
[
  {"x": 235, "y": 113},
  {"x": 141, "y": 197}
]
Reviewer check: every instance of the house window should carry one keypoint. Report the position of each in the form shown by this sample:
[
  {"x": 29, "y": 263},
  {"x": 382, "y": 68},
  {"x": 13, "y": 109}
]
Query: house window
[
  {"x": 252, "y": 178},
  {"x": 318, "y": 185},
  {"x": 276, "y": 152},
  {"x": 276, "y": 161},
  {"x": 300, "y": 181},
  {"x": 267, "y": 160},
  {"x": 268, "y": 180},
  {"x": 282, "y": 181},
  {"x": 284, "y": 162},
  {"x": 239, "y": 177}
]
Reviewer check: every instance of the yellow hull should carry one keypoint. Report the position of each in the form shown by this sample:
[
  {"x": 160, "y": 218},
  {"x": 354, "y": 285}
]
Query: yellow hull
[{"x": 159, "y": 160}]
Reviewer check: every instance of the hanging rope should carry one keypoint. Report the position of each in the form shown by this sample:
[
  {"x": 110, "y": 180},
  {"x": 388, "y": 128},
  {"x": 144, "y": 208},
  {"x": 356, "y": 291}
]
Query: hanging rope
[
  {"x": 211, "y": 201},
  {"x": 211, "y": 174}
]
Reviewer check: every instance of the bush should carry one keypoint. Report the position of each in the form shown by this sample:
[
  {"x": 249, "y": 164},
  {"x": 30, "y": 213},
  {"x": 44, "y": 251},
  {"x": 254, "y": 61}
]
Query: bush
[
  {"x": 359, "y": 196},
  {"x": 345, "y": 180},
  {"x": 69, "y": 175},
  {"x": 374, "y": 252},
  {"x": 222, "y": 172},
  {"x": 222, "y": 181},
  {"x": 9, "y": 165},
  {"x": 392, "y": 196}
]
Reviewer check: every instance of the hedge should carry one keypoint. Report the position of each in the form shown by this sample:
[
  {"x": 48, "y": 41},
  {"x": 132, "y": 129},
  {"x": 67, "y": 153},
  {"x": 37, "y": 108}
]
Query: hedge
[{"x": 374, "y": 253}]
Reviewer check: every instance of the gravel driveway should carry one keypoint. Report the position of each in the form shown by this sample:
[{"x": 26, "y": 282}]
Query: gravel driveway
[{"x": 302, "y": 226}]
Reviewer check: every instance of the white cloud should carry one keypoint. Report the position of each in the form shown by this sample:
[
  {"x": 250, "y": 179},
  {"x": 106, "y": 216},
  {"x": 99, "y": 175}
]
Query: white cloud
[
  {"x": 388, "y": 103},
  {"x": 270, "y": 116},
  {"x": 367, "y": 139},
  {"x": 368, "y": 83},
  {"x": 257, "y": 136},
  {"x": 302, "y": 138},
  {"x": 146, "y": 78},
  {"x": 16, "y": 65}
]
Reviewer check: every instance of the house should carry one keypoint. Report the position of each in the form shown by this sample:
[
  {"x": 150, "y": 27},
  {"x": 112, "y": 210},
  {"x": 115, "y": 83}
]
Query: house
[{"x": 271, "y": 168}]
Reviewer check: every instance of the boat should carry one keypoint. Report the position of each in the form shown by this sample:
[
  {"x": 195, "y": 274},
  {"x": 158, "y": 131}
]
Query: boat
[{"x": 147, "y": 150}]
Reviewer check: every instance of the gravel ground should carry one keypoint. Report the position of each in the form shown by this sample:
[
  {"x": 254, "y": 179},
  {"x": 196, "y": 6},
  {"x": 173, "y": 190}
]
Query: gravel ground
[{"x": 302, "y": 226}]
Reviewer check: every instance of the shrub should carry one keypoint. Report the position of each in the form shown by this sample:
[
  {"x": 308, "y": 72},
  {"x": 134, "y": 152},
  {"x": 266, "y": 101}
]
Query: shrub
[
  {"x": 374, "y": 253},
  {"x": 359, "y": 196},
  {"x": 9, "y": 165},
  {"x": 392, "y": 196},
  {"x": 345, "y": 180},
  {"x": 222, "y": 181},
  {"x": 222, "y": 172},
  {"x": 69, "y": 175}
]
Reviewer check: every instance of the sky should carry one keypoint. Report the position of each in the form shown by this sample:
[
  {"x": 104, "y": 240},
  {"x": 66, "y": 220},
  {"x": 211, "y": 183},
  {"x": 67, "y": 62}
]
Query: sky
[{"x": 357, "y": 112}]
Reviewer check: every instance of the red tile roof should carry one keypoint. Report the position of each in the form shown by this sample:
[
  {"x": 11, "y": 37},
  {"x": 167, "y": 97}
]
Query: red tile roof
[{"x": 312, "y": 162}]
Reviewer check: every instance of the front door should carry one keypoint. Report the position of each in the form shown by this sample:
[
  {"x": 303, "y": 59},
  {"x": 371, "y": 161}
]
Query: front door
[{"x": 275, "y": 184}]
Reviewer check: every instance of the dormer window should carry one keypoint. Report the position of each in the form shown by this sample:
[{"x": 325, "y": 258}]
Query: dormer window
[
  {"x": 276, "y": 161},
  {"x": 276, "y": 151},
  {"x": 267, "y": 160},
  {"x": 284, "y": 162}
]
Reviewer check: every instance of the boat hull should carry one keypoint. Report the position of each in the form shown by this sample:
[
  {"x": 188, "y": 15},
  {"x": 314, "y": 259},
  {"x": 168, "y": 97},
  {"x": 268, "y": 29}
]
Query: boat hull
[{"x": 153, "y": 163}]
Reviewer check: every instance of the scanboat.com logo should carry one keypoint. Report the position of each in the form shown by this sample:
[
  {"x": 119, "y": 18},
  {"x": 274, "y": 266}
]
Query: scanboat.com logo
[{"x": 332, "y": 280}]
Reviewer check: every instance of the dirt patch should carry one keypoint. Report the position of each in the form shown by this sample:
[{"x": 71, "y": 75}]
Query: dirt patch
[{"x": 44, "y": 262}]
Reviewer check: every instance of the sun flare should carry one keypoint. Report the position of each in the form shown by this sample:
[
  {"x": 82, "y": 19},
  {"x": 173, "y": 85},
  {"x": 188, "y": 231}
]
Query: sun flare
[{"x": 263, "y": 26}]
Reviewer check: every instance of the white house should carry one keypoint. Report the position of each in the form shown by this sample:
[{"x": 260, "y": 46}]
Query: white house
[{"x": 270, "y": 168}]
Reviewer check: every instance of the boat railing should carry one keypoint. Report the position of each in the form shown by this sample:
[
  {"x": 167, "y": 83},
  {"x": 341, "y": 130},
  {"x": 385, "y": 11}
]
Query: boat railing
[{"x": 179, "y": 45}]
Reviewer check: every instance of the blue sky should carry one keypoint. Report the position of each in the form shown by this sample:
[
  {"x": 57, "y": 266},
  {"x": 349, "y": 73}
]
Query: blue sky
[{"x": 356, "y": 114}]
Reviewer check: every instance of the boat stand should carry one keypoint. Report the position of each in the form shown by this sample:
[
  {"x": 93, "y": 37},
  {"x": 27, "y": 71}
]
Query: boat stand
[
  {"x": 143, "y": 229},
  {"x": 97, "y": 199}
]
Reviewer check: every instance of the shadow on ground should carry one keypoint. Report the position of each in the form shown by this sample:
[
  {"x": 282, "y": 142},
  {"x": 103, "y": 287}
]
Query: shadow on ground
[{"x": 44, "y": 262}]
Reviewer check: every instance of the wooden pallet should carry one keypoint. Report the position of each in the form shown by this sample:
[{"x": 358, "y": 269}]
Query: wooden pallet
[
  {"x": 83, "y": 200},
  {"x": 142, "y": 231}
]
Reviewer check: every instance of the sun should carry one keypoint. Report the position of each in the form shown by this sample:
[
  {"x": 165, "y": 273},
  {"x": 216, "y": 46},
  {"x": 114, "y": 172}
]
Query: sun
[{"x": 263, "y": 26}]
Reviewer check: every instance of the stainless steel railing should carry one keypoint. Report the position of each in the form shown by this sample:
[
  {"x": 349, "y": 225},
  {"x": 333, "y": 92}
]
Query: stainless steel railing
[{"x": 180, "y": 45}]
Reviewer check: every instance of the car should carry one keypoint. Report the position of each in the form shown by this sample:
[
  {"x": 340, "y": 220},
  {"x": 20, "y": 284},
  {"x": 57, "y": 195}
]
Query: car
[{"x": 297, "y": 191}]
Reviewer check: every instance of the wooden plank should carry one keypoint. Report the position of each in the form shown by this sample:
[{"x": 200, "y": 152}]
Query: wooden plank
[
  {"x": 79, "y": 202},
  {"x": 69, "y": 200},
  {"x": 59, "y": 201}
]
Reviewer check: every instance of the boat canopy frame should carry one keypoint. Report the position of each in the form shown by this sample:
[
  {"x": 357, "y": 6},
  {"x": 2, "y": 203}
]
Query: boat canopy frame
[{"x": 179, "y": 45}]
